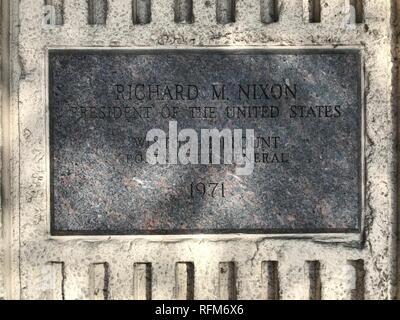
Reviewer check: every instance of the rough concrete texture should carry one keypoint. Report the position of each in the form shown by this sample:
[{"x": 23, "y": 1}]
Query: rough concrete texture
[
  {"x": 2, "y": 286},
  {"x": 350, "y": 266}
]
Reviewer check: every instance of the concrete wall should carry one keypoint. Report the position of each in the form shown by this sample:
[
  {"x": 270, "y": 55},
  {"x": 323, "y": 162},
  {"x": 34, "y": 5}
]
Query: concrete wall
[{"x": 330, "y": 266}]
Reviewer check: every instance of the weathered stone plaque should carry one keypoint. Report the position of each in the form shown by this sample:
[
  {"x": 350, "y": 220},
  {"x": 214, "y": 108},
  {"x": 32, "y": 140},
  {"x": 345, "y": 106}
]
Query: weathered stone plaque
[{"x": 133, "y": 147}]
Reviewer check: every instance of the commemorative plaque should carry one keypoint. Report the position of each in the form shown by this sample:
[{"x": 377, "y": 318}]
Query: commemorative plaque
[{"x": 205, "y": 141}]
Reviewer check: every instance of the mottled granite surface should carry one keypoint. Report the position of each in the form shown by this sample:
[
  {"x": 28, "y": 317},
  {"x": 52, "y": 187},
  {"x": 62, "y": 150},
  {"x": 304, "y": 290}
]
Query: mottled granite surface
[{"x": 310, "y": 182}]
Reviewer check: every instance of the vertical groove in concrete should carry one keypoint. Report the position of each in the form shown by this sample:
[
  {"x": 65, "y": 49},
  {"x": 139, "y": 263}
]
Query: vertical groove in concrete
[
  {"x": 142, "y": 281},
  {"x": 358, "y": 292},
  {"x": 184, "y": 281},
  {"x": 269, "y": 11},
  {"x": 356, "y": 11},
  {"x": 58, "y": 280},
  {"x": 141, "y": 11},
  {"x": 98, "y": 281},
  {"x": 6, "y": 287},
  {"x": 183, "y": 11},
  {"x": 270, "y": 279},
  {"x": 3, "y": 54},
  {"x": 226, "y": 11},
  {"x": 227, "y": 281},
  {"x": 314, "y": 276},
  {"x": 97, "y": 12},
  {"x": 314, "y": 11},
  {"x": 58, "y": 7}
]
